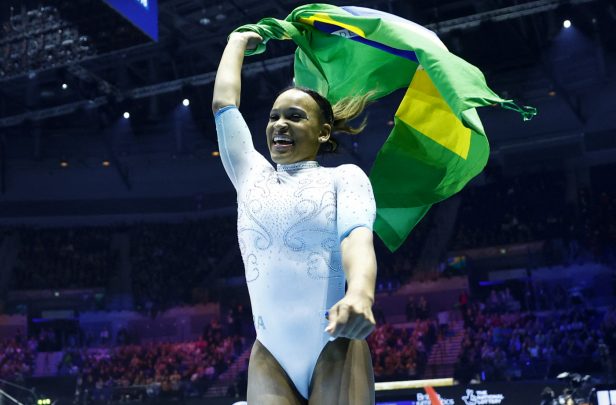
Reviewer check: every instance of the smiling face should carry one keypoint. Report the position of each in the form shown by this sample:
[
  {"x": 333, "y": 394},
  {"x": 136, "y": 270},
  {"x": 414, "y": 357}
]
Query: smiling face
[{"x": 295, "y": 129}]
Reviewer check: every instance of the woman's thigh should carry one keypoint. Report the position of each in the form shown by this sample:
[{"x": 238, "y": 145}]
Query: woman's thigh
[
  {"x": 343, "y": 374},
  {"x": 268, "y": 383}
]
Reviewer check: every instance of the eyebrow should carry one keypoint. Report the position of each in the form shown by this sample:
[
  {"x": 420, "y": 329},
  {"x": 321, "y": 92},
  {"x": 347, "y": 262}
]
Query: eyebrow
[{"x": 291, "y": 109}]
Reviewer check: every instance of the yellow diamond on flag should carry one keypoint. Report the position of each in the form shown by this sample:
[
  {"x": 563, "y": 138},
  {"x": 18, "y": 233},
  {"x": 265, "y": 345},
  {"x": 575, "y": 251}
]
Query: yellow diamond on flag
[{"x": 424, "y": 109}]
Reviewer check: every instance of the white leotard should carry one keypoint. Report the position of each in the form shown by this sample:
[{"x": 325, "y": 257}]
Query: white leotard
[{"x": 291, "y": 221}]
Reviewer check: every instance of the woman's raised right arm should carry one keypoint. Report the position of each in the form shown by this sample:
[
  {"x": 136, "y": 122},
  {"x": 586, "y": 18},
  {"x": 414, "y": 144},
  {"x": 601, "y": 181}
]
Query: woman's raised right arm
[
  {"x": 228, "y": 86},
  {"x": 237, "y": 151}
]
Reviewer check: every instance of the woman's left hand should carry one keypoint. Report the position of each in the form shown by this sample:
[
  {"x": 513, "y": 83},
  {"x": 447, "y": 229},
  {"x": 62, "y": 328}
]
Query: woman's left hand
[{"x": 351, "y": 317}]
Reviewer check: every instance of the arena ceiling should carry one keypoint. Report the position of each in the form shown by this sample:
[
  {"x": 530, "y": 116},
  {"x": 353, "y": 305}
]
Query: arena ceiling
[{"x": 511, "y": 41}]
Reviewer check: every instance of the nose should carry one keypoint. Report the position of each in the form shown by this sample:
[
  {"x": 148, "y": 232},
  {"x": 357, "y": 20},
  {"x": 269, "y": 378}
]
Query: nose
[{"x": 280, "y": 125}]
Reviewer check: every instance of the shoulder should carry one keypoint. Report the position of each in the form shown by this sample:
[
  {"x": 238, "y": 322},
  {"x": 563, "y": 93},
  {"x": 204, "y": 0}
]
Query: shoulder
[
  {"x": 351, "y": 178},
  {"x": 344, "y": 171}
]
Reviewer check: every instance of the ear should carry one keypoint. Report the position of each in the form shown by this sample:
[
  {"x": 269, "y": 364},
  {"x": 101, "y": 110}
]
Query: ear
[{"x": 326, "y": 132}]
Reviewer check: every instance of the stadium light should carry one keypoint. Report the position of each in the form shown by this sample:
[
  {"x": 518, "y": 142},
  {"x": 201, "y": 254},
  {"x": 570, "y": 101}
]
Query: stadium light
[
  {"x": 126, "y": 115},
  {"x": 186, "y": 102},
  {"x": 64, "y": 86},
  {"x": 567, "y": 23}
]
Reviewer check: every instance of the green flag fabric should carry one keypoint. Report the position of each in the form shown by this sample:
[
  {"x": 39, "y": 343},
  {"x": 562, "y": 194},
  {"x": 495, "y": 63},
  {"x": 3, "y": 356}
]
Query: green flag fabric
[{"x": 437, "y": 143}]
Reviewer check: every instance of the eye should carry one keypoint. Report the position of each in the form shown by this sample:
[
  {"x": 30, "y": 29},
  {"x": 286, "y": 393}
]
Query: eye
[
  {"x": 296, "y": 117},
  {"x": 273, "y": 117}
]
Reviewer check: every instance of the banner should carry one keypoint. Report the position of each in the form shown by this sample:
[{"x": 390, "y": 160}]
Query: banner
[
  {"x": 505, "y": 393},
  {"x": 143, "y": 14}
]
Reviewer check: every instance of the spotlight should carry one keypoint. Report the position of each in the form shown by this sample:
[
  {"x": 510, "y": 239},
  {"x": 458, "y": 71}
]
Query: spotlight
[
  {"x": 127, "y": 115},
  {"x": 63, "y": 163},
  {"x": 64, "y": 86},
  {"x": 567, "y": 23},
  {"x": 551, "y": 93},
  {"x": 106, "y": 163},
  {"x": 215, "y": 153},
  {"x": 186, "y": 102}
]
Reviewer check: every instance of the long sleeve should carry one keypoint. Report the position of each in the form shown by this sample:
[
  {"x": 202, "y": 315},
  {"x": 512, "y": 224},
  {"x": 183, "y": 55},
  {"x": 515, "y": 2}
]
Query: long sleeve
[{"x": 237, "y": 151}]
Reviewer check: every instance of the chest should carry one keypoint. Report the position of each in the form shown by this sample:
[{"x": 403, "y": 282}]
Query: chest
[{"x": 286, "y": 205}]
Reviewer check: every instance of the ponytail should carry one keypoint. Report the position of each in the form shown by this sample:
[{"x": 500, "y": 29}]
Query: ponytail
[{"x": 348, "y": 109}]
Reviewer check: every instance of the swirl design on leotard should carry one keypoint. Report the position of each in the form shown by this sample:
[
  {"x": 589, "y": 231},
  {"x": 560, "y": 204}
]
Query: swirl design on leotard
[
  {"x": 251, "y": 263},
  {"x": 322, "y": 260},
  {"x": 325, "y": 266},
  {"x": 252, "y": 268},
  {"x": 308, "y": 183},
  {"x": 319, "y": 267},
  {"x": 251, "y": 206},
  {"x": 307, "y": 210}
]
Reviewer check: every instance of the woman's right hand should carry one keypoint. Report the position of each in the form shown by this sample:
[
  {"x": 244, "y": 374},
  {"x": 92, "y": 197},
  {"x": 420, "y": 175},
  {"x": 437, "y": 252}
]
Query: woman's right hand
[{"x": 250, "y": 38}]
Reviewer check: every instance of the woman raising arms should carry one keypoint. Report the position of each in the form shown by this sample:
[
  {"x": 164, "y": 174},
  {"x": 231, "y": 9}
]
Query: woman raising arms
[{"x": 304, "y": 231}]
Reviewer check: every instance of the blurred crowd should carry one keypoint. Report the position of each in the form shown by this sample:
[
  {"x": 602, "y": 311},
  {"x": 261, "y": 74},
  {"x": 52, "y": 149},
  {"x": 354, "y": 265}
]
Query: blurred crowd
[
  {"x": 526, "y": 345},
  {"x": 401, "y": 353},
  {"x": 17, "y": 357},
  {"x": 596, "y": 227},
  {"x": 64, "y": 258},
  {"x": 39, "y": 38},
  {"x": 535, "y": 207},
  {"x": 511, "y": 210},
  {"x": 172, "y": 263},
  {"x": 158, "y": 369},
  {"x": 396, "y": 268},
  {"x": 498, "y": 344},
  {"x": 531, "y": 330}
]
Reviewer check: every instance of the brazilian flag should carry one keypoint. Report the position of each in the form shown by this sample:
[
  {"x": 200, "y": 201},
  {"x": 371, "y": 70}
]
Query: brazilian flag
[{"x": 438, "y": 143}]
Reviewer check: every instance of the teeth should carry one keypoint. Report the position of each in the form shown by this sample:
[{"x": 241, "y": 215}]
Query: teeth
[{"x": 279, "y": 138}]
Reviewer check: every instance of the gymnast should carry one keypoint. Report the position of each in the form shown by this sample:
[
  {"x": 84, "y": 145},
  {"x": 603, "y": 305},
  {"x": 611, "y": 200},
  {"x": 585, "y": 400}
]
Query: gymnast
[{"x": 305, "y": 231}]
